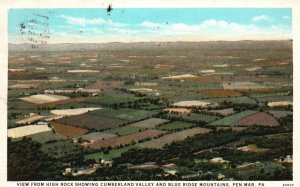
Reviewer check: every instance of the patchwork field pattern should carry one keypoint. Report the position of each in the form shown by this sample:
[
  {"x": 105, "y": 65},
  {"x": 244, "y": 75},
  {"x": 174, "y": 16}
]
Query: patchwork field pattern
[
  {"x": 177, "y": 136},
  {"x": 228, "y": 121},
  {"x": 128, "y": 139},
  {"x": 149, "y": 123}
]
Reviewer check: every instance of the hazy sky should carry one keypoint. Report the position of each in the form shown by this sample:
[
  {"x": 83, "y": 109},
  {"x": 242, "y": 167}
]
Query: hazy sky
[{"x": 137, "y": 25}]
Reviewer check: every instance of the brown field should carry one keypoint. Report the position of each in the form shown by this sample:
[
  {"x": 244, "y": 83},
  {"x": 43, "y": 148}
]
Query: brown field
[
  {"x": 221, "y": 93},
  {"x": 177, "y": 136},
  {"x": 92, "y": 121},
  {"x": 67, "y": 130},
  {"x": 105, "y": 85},
  {"x": 260, "y": 119},
  {"x": 128, "y": 139}
]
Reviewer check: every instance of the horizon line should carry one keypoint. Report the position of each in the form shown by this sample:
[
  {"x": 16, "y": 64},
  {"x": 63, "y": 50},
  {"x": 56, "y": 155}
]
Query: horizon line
[{"x": 152, "y": 42}]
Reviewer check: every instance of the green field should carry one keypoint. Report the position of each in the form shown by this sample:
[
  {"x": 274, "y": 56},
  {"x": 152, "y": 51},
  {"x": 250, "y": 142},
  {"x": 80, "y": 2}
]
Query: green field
[
  {"x": 237, "y": 100},
  {"x": 123, "y": 130},
  {"x": 227, "y": 121},
  {"x": 126, "y": 113},
  {"x": 195, "y": 117},
  {"x": 43, "y": 137},
  {"x": 110, "y": 100},
  {"x": 176, "y": 125},
  {"x": 114, "y": 153}
]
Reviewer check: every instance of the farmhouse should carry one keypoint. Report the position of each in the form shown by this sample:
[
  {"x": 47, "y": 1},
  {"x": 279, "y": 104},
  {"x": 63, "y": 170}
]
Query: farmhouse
[{"x": 218, "y": 160}]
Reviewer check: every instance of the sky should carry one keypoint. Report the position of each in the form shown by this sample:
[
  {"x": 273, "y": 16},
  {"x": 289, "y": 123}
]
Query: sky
[{"x": 96, "y": 25}]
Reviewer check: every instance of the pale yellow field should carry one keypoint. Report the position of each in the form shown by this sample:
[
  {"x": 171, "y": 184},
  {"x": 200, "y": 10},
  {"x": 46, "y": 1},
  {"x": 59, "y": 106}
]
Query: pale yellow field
[
  {"x": 191, "y": 103},
  {"x": 44, "y": 98},
  {"x": 27, "y": 130},
  {"x": 72, "y": 112}
]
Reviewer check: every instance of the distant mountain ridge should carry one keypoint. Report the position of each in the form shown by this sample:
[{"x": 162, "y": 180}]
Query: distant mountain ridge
[{"x": 149, "y": 45}]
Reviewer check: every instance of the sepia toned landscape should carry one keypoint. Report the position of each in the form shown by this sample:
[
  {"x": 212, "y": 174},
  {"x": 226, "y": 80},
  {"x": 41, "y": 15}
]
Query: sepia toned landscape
[{"x": 174, "y": 110}]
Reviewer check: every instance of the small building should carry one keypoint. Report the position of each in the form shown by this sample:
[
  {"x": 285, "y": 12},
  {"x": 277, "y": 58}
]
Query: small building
[
  {"x": 107, "y": 163},
  {"x": 218, "y": 160}
]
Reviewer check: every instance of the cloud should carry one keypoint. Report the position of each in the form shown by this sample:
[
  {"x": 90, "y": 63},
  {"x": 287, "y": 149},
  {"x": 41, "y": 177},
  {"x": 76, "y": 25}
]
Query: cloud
[
  {"x": 262, "y": 18},
  {"x": 217, "y": 30},
  {"x": 94, "y": 21},
  {"x": 286, "y": 17}
]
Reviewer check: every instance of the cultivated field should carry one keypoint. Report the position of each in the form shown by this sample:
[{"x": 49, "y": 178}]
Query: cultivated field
[
  {"x": 30, "y": 120},
  {"x": 280, "y": 113},
  {"x": 96, "y": 136},
  {"x": 176, "y": 125},
  {"x": 43, "y": 137},
  {"x": 191, "y": 103},
  {"x": 72, "y": 112},
  {"x": 259, "y": 119},
  {"x": 124, "y": 130},
  {"x": 176, "y": 77},
  {"x": 27, "y": 130},
  {"x": 125, "y": 114},
  {"x": 92, "y": 121},
  {"x": 223, "y": 112},
  {"x": 177, "y": 136},
  {"x": 105, "y": 85},
  {"x": 149, "y": 123},
  {"x": 22, "y": 86},
  {"x": 44, "y": 98},
  {"x": 220, "y": 93},
  {"x": 228, "y": 121},
  {"x": 128, "y": 139},
  {"x": 67, "y": 130}
]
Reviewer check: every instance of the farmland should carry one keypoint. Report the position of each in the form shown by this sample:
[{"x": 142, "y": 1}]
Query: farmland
[
  {"x": 149, "y": 123},
  {"x": 179, "y": 104},
  {"x": 176, "y": 125},
  {"x": 92, "y": 121},
  {"x": 177, "y": 136},
  {"x": 124, "y": 130},
  {"x": 67, "y": 130},
  {"x": 127, "y": 139},
  {"x": 227, "y": 121}
]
